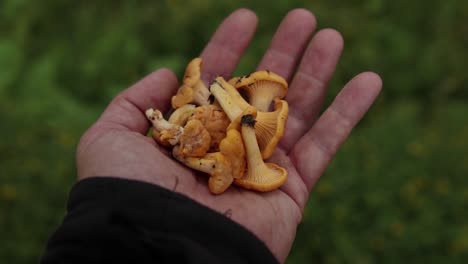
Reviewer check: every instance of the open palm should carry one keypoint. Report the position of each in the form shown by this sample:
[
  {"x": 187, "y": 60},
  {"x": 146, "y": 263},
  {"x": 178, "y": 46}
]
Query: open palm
[{"x": 116, "y": 144}]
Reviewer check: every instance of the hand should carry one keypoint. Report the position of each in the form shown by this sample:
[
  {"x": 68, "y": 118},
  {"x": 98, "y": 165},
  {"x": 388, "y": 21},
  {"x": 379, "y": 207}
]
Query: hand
[{"x": 116, "y": 144}]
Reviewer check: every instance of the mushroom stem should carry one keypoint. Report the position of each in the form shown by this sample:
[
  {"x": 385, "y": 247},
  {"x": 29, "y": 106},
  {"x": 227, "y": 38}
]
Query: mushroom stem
[
  {"x": 214, "y": 164},
  {"x": 201, "y": 94},
  {"x": 157, "y": 119},
  {"x": 234, "y": 93},
  {"x": 203, "y": 164},
  {"x": 270, "y": 126},
  {"x": 254, "y": 156},
  {"x": 229, "y": 106},
  {"x": 164, "y": 132},
  {"x": 260, "y": 176}
]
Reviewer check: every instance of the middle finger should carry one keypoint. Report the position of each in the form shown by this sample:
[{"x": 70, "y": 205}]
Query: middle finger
[
  {"x": 288, "y": 43},
  {"x": 308, "y": 87}
]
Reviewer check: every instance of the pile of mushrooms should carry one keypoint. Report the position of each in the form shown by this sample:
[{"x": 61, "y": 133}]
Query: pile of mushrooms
[{"x": 227, "y": 130}]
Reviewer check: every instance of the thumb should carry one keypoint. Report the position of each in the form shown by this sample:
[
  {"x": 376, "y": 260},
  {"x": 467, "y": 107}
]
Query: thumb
[
  {"x": 127, "y": 109},
  {"x": 126, "y": 112}
]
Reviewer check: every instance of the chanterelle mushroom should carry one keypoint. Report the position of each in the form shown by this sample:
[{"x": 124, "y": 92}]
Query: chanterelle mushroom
[
  {"x": 270, "y": 127},
  {"x": 229, "y": 105},
  {"x": 181, "y": 115},
  {"x": 195, "y": 140},
  {"x": 232, "y": 91},
  {"x": 236, "y": 123},
  {"x": 232, "y": 147},
  {"x": 260, "y": 176},
  {"x": 223, "y": 166},
  {"x": 214, "y": 164},
  {"x": 164, "y": 132},
  {"x": 261, "y": 88},
  {"x": 193, "y": 90},
  {"x": 215, "y": 121}
]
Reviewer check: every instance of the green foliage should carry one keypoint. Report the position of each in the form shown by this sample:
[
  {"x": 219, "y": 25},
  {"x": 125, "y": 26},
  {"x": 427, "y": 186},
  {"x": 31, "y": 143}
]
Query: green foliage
[{"x": 397, "y": 191}]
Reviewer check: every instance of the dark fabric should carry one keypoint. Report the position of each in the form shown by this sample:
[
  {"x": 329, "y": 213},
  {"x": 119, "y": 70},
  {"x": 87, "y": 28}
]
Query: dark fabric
[{"x": 114, "y": 220}]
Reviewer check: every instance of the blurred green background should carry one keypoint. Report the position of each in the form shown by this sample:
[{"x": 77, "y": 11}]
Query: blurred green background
[{"x": 397, "y": 190}]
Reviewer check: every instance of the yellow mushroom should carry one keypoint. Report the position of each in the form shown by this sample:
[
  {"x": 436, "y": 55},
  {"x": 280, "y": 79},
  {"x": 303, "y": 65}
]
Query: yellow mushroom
[
  {"x": 236, "y": 123},
  {"x": 270, "y": 126},
  {"x": 215, "y": 121},
  {"x": 165, "y": 133},
  {"x": 214, "y": 164},
  {"x": 223, "y": 166},
  {"x": 261, "y": 88},
  {"x": 260, "y": 176},
  {"x": 233, "y": 80},
  {"x": 232, "y": 147},
  {"x": 195, "y": 140},
  {"x": 226, "y": 101},
  {"x": 193, "y": 90},
  {"x": 232, "y": 91},
  {"x": 181, "y": 115}
]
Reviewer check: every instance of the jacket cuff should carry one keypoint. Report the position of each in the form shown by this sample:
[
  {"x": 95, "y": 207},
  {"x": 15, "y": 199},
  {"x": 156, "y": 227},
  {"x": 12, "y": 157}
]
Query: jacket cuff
[{"x": 162, "y": 220}]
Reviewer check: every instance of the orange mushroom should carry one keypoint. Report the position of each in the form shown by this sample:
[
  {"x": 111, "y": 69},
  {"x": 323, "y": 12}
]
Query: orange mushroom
[
  {"x": 232, "y": 91},
  {"x": 181, "y": 115},
  {"x": 260, "y": 176},
  {"x": 195, "y": 140},
  {"x": 215, "y": 121},
  {"x": 270, "y": 126},
  {"x": 165, "y": 133},
  {"x": 226, "y": 101},
  {"x": 193, "y": 90},
  {"x": 223, "y": 166},
  {"x": 214, "y": 164},
  {"x": 261, "y": 88},
  {"x": 232, "y": 147}
]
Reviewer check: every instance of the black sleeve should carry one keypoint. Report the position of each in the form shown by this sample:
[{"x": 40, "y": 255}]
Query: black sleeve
[{"x": 113, "y": 220}]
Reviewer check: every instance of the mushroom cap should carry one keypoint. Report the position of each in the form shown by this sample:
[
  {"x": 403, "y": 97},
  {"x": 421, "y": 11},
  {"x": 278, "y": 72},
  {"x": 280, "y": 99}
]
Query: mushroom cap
[
  {"x": 195, "y": 141},
  {"x": 265, "y": 182},
  {"x": 261, "y": 88},
  {"x": 193, "y": 90},
  {"x": 193, "y": 72},
  {"x": 270, "y": 127},
  {"x": 215, "y": 121},
  {"x": 234, "y": 80},
  {"x": 181, "y": 115},
  {"x": 264, "y": 75},
  {"x": 184, "y": 96},
  {"x": 232, "y": 147},
  {"x": 221, "y": 176}
]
